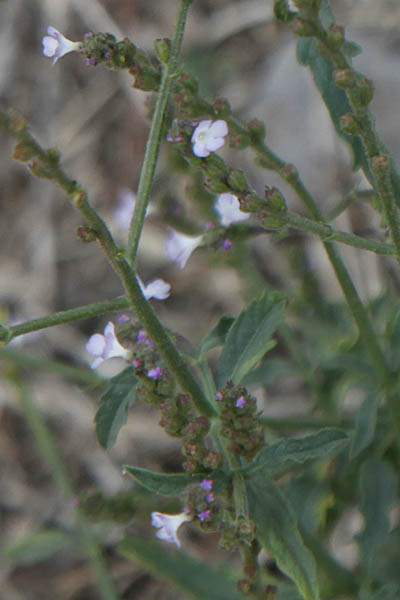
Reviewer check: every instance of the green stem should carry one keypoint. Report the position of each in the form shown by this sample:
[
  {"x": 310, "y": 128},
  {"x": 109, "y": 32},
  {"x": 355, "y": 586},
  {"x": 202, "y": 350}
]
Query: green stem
[
  {"x": 29, "y": 148},
  {"x": 328, "y": 233},
  {"x": 153, "y": 142},
  {"x": 54, "y": 462},
  {"x": 383, "y": 183},
  {"x": 67, "y": 316}
]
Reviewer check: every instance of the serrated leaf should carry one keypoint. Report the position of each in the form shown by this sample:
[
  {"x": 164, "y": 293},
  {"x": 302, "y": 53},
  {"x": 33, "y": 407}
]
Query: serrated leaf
[
  {"x": 115, "y": 403},
  {"x": 278, "y": 533},
  {"x": 365, "y": 425},
  {"x": 174, "y": 484},
  {"x": 320, "y": 445},
  {"x": 249, "y": 338},
  {"x": 195, "y": 578},
  {"x": 39, "y": 546},
  {"x": 378, "y": 490},
  {"x": 216, "y": 337}
]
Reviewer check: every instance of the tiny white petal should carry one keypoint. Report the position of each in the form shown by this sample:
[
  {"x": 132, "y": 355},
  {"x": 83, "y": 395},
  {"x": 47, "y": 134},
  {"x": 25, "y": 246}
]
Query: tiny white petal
[
  {"x": 228, "y": 208},
  {"x": 219, "y": 128},
  {"x": 168, "y": 526},
  {"x": 56, "y": 45},
  {"x": 158, "y": 289},
  {"x": 106, "y": 346},
  {"x": 179, "y": 247},
  {"x": 96, "y": 344}
]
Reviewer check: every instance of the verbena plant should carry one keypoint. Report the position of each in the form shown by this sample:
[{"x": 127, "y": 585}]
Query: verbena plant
[{"x": 285, "y": 497}]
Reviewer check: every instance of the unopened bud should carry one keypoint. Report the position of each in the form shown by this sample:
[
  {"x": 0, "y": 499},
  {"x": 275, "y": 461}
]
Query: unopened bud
[
  {"x": 162, "y": 49},
  {"x": 336, "y": 35},
  {"x": 349, "y": 124},
  {"x": 237, "y": 180},
  {"x": 345, "y": 78},
  {"x": 22, "y": 152},
  {"x": 243, "y": 586},
  {"x": 85, "y": 234},
  {"x": 275, "y": 200},
  {"x": 302, "y": 28},
  {"x": 380, "y": 163},
  {"x": 365, "y": 91}
]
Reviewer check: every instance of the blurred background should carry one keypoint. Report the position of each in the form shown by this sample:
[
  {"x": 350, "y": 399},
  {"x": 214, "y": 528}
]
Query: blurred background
[{"x": 99, "y": 124}]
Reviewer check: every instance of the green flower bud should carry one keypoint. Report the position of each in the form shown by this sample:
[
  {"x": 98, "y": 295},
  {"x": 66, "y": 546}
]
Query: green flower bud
[
  {"x": 237, "y": 180},
  {"x": 349, "y": 124},
  {"x": 303, "y": 28},
  {"x": 345, "y": 78},
  {"x": 336, "y": 35},
  {"x": 86, "y": 234},
  {"x": 162, "y": 49}
]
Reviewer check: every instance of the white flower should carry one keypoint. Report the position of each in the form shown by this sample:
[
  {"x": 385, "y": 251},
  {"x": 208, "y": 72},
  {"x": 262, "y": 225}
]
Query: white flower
[
  {"x": 106, "y": 346},
  {"x": 179, "y": 247},
  {"x": 55, "y": 44},
  {"x": 126, "y": 205},
  {"x": 158, "y": 289},
  {"x": 168, "y": 526},
  {"x": 228, "y": 208},
  {"x": 208, "y": 137}
]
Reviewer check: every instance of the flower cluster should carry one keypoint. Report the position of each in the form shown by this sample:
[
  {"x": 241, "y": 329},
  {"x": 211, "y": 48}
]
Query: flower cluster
[{"x": 240, "y": 421}]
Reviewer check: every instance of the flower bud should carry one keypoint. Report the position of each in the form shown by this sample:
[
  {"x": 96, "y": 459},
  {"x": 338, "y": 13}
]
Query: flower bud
[
  {"x": 275, "y": 200},
  {"x": 365, "y": 90},
  {"x": 85, "y": 234},
  {"x": 303, "y": 28},
  {"x": 162, "y": 49},
  {"x": 380, "y": 163},
  {"x": 349, "y": 124},
  {"x": 237, "y": 180},
  {"x": 344, "y": 78},
  {"x": 336, "y": 35},
  {"x": 22, "y": 152},
  {"x": 256, "y": 129}
]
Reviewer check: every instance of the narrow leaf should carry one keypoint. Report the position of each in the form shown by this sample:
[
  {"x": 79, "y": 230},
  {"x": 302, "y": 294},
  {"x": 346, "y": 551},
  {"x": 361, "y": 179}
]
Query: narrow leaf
[
  {"x": 278, "y": 533},
  {"x": 365, "y": 425},
  {"x": 249, "y": 338},
  {"x": 320, "y": 445},
  {"x": 39, "y": 546},
  {"x": 216, "y": 337},
  {"x": 115, "y": 403},
  {"x": 196, "y": 579},
  {"x": 174, "y": 485},
  {"x": 378, "y": 486}
]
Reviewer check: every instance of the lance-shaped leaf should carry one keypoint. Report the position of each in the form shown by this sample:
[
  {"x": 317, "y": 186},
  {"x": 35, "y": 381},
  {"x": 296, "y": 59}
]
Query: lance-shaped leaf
[
  {"x": 194, "y": 578},
  {"x": 278, "y": 533},
  {"x": 320, "y": 445},
  {"x": 378, "y": 485},
  {"x": 217, "y": 336},
  {"x": 39, "y": 546},
  {"x": 365, "y": 425},
  {"x": 249, "y": 338},
  {"x": 174, "y": 484},
  {"x": 115, "y": 403}
]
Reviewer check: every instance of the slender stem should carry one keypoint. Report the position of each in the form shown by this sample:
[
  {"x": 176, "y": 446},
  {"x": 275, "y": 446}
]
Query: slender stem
[
  {"x": 86, "y": 376},
  {"x": 153, "y": 142},
  {"x": 60, "y": 475},
  {"x": 29, "y": 148},
  {"x": 67, "y": 316},
  {"x": 328, "y": 233}
]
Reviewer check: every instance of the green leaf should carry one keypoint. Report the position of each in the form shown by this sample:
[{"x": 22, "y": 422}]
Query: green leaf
[
  {"x": 378, "y": 487},
  {"x": 390, "y": 591},
  {"x": 216, "y": 337},
  {"x": 334, "y": 97},
  {"x": 278, "y": 533},
  {"x": 267, "y": 373},
  {"x": 196, "y": 579},
  {"x": 249, "y": 338},
  {"x": 39, "y": 546},
  {"x": 174, "y": 484},
  {"x": 365, "y": 425},
  {"x": 320, "y": 445},
  {"x": 115, "y": 403}
]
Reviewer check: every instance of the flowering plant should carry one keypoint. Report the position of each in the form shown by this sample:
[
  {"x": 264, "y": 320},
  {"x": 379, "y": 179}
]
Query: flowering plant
[{"x": 286, "y": 415}]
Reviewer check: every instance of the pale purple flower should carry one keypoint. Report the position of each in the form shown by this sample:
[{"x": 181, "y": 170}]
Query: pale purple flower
[
  {"x": 226, "y": 244},
  {"x": 218, "y": 396},
  {"x": 204, "y": 514},
  {"x": 208, "y": 137},
  {"x": 123, "y": 319},
  {"x": 210, "y": 497},
  {"x": 240, "y": 402},
  {"x": 106, "y": 346},
  {"x": 141, "y": 336},
  {"x": 179, "y": 247},
  {"x": 228, "y": 208},
  {"x": 155, "y": 373},
  {"x": 56, "y": 45},
  {"x": 158, "y": 289},
  {"x": 168, "y": 526},
  {"x": 124, "y": 210},
  {"x": 206, "y": 484}
]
